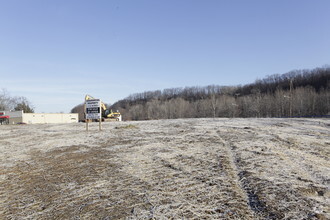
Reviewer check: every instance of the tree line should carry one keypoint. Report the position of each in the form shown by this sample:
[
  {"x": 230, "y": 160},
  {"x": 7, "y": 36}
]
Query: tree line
[
  {"x": 299, "y": 93},
  {"x": 16, "y": 103}
]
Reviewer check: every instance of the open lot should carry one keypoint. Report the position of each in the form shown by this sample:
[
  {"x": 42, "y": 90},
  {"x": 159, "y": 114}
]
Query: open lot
[{"x": 185, "y": 168}]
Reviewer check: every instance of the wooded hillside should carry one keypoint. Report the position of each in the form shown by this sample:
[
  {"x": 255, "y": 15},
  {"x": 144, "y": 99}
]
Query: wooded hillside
[{"x": 298, "y": 93}]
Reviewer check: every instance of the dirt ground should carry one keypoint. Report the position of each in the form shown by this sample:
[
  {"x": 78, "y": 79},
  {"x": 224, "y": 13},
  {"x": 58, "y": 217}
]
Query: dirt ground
[{"x": 167, "y": 169}]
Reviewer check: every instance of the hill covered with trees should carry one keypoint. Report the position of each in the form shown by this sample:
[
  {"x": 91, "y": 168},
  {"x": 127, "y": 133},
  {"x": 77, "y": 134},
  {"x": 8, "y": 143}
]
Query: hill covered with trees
[{"x": 299, "y": 93}]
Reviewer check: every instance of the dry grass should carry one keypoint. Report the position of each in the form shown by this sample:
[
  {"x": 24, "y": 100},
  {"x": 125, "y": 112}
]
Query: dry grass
[
  {"x": 167, "y": 169},
  {"x": 129, "y": 126}
]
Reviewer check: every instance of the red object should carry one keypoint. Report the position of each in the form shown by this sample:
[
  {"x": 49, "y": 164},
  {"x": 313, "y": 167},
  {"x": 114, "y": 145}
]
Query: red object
[{"x": 4, "y": 116}]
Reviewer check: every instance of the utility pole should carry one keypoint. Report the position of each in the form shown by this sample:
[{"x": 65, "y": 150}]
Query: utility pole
[{"x": 291, "y": 87}]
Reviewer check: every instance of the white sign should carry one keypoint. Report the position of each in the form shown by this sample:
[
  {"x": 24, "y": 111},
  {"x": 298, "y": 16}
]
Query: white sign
[{"x": 93, "y": 109}]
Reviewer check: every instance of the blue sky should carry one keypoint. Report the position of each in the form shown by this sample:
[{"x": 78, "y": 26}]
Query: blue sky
[{"x": 55, "y": 52}]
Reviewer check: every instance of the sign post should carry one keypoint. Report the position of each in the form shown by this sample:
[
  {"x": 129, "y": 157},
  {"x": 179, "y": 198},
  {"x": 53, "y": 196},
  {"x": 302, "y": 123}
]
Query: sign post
[{"x": 93, "y": 111}]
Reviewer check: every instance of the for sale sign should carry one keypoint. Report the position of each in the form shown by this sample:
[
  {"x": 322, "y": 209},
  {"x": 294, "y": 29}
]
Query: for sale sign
[{"x": 93, "y": 109}]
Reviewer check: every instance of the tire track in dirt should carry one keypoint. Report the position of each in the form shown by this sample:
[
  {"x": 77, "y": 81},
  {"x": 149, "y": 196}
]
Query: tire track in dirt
[
  {"x": 187, "y": 180},
  {"x": 243, "y": 183},
  {"x": 268, "y": 198},
  {"x": 174, "y": 169}
]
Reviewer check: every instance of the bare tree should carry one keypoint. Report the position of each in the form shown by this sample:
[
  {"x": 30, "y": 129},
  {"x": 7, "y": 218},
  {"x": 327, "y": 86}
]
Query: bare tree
[
  {"x": 6, "y": 102},
  {"x": 17, "y": 103},
  {"x": 21, "y": 103}
]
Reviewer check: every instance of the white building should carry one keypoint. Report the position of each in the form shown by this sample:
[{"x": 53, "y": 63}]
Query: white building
[{"x": 17, "y": 117}]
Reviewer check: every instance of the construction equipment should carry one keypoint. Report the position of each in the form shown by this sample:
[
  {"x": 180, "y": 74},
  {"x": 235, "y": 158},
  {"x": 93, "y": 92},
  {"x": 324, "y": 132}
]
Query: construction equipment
[
  {"x": 107, "y": 114},
  {"x": 112, "y": 116}
]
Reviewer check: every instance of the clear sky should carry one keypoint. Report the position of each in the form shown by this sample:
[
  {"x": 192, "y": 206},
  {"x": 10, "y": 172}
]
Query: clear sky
[{"x": 56, "y": 52}]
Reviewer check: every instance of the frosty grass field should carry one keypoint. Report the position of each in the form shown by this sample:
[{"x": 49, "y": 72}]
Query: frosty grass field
[{"x": 163, "y": 169}]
